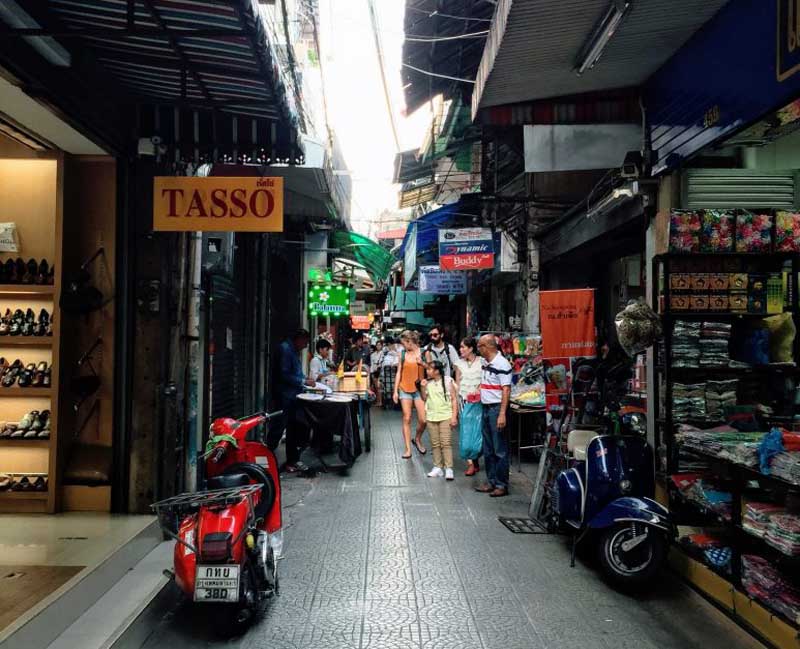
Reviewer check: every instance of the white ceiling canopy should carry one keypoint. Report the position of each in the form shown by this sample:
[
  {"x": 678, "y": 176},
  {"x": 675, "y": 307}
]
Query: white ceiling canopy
[{"x": 533, "y": 46}]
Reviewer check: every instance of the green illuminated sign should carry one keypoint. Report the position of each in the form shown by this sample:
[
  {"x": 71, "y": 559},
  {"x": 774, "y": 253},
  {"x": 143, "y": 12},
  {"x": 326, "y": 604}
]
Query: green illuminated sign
[{"x": 328, "y": 300}]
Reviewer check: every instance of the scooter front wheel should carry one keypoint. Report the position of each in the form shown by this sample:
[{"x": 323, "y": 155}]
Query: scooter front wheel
[{"x": 631, "y": 553}]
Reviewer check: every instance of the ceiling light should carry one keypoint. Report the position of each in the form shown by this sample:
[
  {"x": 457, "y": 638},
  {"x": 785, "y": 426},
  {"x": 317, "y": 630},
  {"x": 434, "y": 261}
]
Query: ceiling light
[
  {"x": 601, "y": 34},
  {"x": 15, "y": 16}
]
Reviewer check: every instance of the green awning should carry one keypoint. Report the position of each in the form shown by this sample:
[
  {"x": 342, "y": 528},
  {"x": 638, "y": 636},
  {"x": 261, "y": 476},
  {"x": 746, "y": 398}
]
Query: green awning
[{"x": 375, "y": 258}]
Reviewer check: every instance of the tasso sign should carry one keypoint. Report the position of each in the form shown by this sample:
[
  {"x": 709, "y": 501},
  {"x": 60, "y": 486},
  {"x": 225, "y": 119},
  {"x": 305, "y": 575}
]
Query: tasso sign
[
  {"x": 217, "y": 204},
  {"x": 466, "y": 249}
]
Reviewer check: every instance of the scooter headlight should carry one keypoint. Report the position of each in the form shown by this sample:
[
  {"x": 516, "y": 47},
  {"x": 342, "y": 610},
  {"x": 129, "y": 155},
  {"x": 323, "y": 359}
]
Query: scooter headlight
[{"x": 625, "y": 486}]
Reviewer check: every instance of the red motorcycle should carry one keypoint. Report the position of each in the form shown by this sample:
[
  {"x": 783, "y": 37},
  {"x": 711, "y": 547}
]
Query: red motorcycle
[{"x": 228, "y": 536}]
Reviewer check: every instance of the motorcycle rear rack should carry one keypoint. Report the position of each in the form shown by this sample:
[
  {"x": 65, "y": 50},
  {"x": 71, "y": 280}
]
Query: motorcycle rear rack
[{"x": 187, "y": 502}]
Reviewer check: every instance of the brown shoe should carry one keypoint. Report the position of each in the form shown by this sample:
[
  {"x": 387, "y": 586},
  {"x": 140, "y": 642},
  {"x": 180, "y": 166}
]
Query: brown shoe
[
  {"x": 485, "y": 489},
  {"x": 498, "y": 493}
]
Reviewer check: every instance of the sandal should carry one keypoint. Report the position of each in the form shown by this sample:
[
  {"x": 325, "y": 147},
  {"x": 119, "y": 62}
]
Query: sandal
[
  {"x": 29, "y": 324},
  {"x": 44, "y": 434},
  {"x": 10, "y": 374},
  {"x": 26, "y": 376},
  {"x": 5, "y": 323},
  {"x": 419, "y": 448},
  {"x": 406, "y": 457}
]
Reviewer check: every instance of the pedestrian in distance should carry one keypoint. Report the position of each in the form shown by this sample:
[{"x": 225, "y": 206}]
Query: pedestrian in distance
[
  {"x": 468, "y": 386},
  {"x": 438, "y": 349},
  {"x": 375, "y": 363},
  {"x": 320, "y": 364},
  {"x": 441, "y": 413},
  {"x": 495, "y": 394},
  {"x": 407, "y": 384}
]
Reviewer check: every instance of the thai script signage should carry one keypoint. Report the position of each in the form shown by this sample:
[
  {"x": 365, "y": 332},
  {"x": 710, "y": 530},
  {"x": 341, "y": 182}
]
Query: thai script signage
[{"x": 466, "y": 249}]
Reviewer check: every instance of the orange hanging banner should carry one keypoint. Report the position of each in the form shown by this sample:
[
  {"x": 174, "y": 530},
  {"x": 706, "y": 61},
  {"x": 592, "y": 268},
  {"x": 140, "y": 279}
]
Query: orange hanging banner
[
  {"x": 217, "y": 204},
  {"x": 567, "y": 322}
]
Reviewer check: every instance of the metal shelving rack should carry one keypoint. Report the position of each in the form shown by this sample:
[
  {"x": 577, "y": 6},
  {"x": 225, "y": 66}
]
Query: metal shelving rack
[{"x": 740, "y": 478}]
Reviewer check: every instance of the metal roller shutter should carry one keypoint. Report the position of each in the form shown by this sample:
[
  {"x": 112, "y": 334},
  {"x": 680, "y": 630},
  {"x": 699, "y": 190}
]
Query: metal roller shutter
[
  {"x": 739, "y": 188},
  {"x": 227, "y": 372}
]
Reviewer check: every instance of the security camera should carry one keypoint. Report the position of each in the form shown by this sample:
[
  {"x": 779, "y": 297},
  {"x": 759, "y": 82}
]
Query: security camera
[{"x": 632, "y": 166}]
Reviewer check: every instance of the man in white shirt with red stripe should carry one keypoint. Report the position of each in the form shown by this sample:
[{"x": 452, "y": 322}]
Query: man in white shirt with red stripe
[{"x": 495, "y": 393}]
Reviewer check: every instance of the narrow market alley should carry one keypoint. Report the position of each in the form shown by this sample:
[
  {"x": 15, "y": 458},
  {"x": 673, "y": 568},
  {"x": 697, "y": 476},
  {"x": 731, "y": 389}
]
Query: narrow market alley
[{"x": 387, "y": 558}]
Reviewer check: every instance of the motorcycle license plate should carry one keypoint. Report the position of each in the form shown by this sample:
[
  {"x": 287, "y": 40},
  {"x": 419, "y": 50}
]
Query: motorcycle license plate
[{"x": 216, "y": 584}]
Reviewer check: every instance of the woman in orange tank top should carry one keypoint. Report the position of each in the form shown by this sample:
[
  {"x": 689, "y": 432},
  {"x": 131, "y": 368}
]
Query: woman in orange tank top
[{"x": 410, "y": 370}]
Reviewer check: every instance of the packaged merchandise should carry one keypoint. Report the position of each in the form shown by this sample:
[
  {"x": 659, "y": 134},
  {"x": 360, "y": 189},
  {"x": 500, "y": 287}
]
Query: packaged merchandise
[
  {"x": 787, "y": 231},
  {"x": 717, "y": 231},
  {"x": 686, "y": 344},
  {"x": 753, "y": 232},
  {"x": 764, "y": 582},
  {"x": 756, "y": 517},
  {"x": 684, "y": 231}
]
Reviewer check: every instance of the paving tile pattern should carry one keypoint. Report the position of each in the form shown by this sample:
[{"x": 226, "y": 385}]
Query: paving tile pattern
[{"x": 386, "y": 558}]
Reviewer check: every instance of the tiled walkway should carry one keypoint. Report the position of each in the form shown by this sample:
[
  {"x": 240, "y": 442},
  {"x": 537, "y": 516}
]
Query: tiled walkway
[{"x": 386, "y": 558}]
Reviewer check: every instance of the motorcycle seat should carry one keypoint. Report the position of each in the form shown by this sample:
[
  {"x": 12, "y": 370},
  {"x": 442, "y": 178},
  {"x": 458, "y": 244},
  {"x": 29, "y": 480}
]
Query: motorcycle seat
[
  {"x": 229, "y": 481},
  {"x": 577, "y": 442}
]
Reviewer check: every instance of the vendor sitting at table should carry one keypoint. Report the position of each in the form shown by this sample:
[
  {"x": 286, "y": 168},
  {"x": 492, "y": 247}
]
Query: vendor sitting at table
[{"x": 319, "y": 367}]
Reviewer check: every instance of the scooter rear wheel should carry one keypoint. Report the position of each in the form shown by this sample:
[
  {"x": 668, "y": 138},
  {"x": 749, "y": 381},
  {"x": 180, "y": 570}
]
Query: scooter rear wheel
[{"x": 636, "y": 566}]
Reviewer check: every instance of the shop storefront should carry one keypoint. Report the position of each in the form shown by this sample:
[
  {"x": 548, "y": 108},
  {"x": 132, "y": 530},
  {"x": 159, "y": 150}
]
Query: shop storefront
[{"x": 724, "y": 249}]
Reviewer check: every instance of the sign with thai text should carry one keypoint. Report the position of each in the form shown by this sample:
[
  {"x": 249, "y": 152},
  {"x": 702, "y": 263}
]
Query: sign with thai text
[
  {"x": 328, "y": 300},
  {"x": 567, "y": 323},
  {"x": 217, "y": 204},
  {"x": 466, "y": 249},
  {"x": 361, "y": 322},
  {"x": 434, "y": 281}
]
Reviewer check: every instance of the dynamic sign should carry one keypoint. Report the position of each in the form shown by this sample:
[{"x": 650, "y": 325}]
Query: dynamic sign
[
  {"x": 329, "y": 300},
  {"x": 217, "y": 204},
  {"x": 434, "y": 281},
  {"x": 466, "y": 249}
]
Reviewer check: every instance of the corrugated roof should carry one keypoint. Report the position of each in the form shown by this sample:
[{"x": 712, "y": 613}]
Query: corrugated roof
[
  {"x": 457, "y": 57},
  {"x": 531, "y": 50},
  {"x": 205, "y": 55}
]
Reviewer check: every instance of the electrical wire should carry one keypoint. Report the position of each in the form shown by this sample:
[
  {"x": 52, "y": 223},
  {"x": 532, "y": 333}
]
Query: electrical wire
[
  {"x": 431, "y": 14},
  {"x": 436, "y": 74},
  {"x": 379, "y": 49},
  {"x": 439, "y": 39}
]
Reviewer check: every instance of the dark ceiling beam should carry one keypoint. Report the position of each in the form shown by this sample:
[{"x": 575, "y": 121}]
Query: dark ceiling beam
[
  {"x": 229, "y": 72},
  {"x": 114, "y": 32},
  {"x": 185, "y": 63}
]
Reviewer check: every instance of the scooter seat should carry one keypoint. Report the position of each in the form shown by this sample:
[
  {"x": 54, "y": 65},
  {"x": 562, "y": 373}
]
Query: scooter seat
[
  {"x": 229, "y": 481},
  {"x": 577, "y": 442}
]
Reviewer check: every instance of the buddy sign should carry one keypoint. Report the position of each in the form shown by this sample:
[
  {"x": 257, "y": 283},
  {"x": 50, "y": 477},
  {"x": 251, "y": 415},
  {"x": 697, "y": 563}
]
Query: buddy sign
[
  {"x": 466, "y": 249},
  {"x": 217, "y": 204}
]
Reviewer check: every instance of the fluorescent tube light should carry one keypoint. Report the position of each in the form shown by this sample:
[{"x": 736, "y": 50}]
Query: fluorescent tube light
[
  {"x": 50, "y": 49},
  {"x": 601, "y": 34}
]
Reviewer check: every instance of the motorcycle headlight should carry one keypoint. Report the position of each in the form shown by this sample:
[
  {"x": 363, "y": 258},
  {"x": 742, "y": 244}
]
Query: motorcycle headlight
[{"x": 625, "y": 486}]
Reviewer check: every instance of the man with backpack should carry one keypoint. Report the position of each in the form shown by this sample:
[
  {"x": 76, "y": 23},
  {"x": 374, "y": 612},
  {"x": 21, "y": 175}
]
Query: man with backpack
[{"x": 439, "y": 350}]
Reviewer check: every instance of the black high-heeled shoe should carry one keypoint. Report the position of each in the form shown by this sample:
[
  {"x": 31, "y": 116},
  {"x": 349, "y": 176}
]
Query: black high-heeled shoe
[
  {"x": 5, "y": 323},
  {"x": 19, "y": 270},
  {"x": 48, "y": 377},
  {"x": 17, "y": 320},
  {"x": 51, "y": 277},
  {"x": 40, "y": 329},
  {"x": 29, "y": 324},
  {"x": 25, "y": 378},
  {"x": 38, "y": 377},
  {"x": 11, "y": 374},
  {"x": 44, "y": 272},
  {"x": 31, "y": 271}
]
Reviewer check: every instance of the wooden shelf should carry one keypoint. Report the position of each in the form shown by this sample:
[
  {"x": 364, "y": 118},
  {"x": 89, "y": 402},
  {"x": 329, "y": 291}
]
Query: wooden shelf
[
  {"x": 26, "y": 443},
  {"x": 27, "y": 289},
  {"x": 26, "y": 341},
  {"x": 28, "y": 393},
  {"x": 23, "y": 495}
]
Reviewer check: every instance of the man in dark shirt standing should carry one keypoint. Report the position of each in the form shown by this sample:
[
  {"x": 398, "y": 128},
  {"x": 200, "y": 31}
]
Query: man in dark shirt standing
[{"x": 289, "y": 383}]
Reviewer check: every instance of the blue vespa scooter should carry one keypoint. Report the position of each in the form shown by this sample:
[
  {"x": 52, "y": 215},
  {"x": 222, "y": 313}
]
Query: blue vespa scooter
[{"x": 603, "y": 488}]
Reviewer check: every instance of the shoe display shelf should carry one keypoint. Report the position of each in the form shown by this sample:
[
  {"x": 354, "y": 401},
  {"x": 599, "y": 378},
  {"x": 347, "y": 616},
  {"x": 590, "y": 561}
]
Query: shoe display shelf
[{"x": 31, "y": 194}]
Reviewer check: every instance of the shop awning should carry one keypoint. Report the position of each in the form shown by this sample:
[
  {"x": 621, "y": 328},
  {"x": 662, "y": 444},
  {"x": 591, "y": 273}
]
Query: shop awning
[
  {"x": 517, "y": 68},
  {"x": 203, "y": 73},
  {"x": 443, "y": 47},
  {"x": 375, "y": 258}
]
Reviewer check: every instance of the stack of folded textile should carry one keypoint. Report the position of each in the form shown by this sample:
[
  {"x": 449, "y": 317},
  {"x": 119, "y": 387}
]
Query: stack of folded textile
[
  {"x": 756, "y": 517},
  {"x": 783, "y": 533},
  {"x": 787, "y": 467},
  {"x": 720, "y": 395},
  {"x": 686, "y": 344},
  {"x": 713, "y": 343},
  {"x": 688, "y": 401},
  {"x": 763, "y": 582}
]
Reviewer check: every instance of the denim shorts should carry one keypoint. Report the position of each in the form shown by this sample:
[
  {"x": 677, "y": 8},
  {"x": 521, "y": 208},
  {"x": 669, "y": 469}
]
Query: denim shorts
[{"x": 409, "y": 395}]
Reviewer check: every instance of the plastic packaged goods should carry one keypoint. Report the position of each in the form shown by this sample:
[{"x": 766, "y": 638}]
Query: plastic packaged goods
[
  {"x": 787, "y": 231},
  {"x": 684, "y": 231},
  {"x": 753, "y": 232},
  {"x": 638, "y": 327},
  {"x": 717, "y": 231}
]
